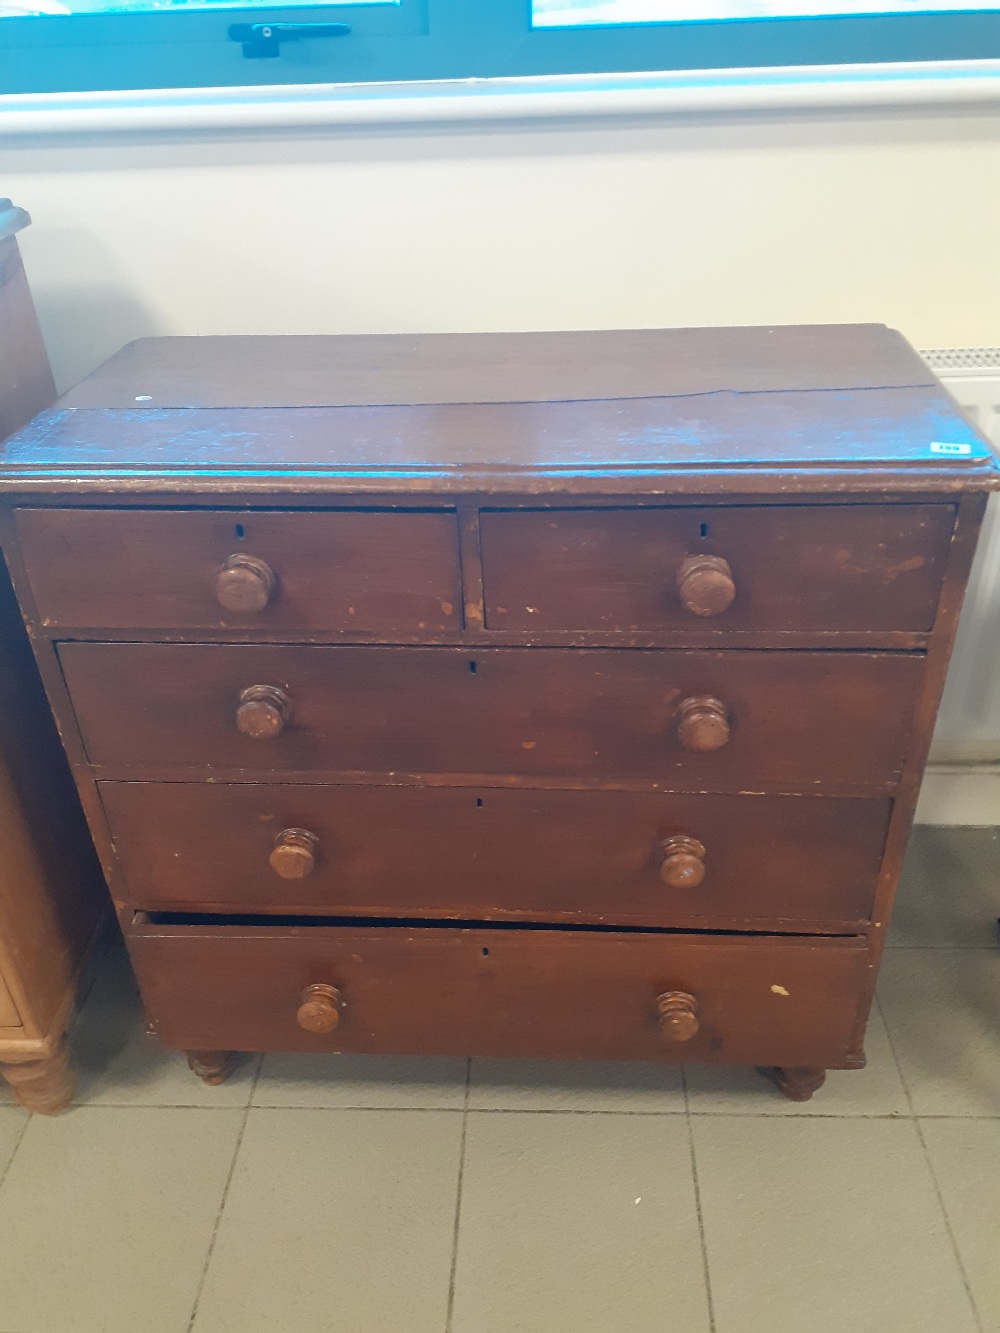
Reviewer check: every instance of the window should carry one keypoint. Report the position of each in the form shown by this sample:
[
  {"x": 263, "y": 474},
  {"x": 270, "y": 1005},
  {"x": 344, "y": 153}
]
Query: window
[
  {"x": 75, "y": 45},
  {"x": 580, "y": 13}
]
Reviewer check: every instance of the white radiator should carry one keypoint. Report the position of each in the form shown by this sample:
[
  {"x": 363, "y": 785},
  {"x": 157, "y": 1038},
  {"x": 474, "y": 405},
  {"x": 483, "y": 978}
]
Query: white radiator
[{"x": 962, "y": 785}]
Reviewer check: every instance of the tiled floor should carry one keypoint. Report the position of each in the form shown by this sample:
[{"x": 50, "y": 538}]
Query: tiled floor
[{"x": 357, "y": 1195}]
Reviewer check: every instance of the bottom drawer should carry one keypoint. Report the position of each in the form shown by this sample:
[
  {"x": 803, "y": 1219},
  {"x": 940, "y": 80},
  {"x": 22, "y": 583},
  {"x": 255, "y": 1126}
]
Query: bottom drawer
[{"x": 502, "y": 991}]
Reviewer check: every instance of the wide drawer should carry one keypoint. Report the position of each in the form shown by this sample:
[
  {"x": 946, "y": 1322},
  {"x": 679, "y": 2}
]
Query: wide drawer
[
  {"x": 795, "y": 568},
  {"x": 515, "y": 992},
  {"x": 343, "y": 571},
  {"x": 791, "y": 717},
  {"x": 755, "y": 862}
]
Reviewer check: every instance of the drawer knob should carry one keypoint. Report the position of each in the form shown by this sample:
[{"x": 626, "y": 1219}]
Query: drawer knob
[
  {"x": 262, "y": 712},
  {"x": 702, "y": 723},
  {"x": 244, "y": 584},
  {"x": 682, "y": 862},
  {"x": 677, "y": 1015},
  {"x": 705, "y": 585},
  {"x": 319, "y": 1008},
  {"x": 294, "y": 853}
]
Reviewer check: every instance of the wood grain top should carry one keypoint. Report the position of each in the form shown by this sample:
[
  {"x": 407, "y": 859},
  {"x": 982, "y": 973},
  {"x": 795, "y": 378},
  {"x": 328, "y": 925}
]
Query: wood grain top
[
  {"x": 420, "y": 369},
  {"x": 646, "y": 411}
]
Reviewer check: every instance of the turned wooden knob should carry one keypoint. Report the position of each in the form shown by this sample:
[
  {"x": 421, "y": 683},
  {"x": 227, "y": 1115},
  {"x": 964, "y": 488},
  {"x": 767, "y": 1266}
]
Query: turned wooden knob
[
  {"x": 682, "y": 862},
  {"x": 244, "y": 584},
  {"x": 262, "y": 712},
  {"x": 705, "y": 585},
  {"x": 702, "y": 723},
  {"x": 319, "y": 1008},
  {"x": 677, "y": 1015},
  {"x": 294, "y": 853}
]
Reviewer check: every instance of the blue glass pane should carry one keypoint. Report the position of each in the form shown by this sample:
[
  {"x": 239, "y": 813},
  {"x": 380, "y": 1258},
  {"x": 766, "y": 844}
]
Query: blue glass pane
[
  {"x": 21, "y": 8},
  {"x": 606, "y": 13}
]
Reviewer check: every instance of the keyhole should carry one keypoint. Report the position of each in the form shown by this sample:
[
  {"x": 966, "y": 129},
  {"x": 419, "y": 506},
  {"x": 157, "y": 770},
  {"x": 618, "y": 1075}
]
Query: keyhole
[
  {"x": 472, "y": 667},
  {"x": 704, "y": 529},
  {"x": 479, "y": 803},
  {"x": 239, "y": 529},
  {"x": 486, "y": 953}
]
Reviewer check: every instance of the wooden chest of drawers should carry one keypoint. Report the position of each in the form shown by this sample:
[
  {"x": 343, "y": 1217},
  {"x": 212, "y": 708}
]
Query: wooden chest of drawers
[
  {"x": 542, "y": 694},
  {"x": 52, "y": 900}
]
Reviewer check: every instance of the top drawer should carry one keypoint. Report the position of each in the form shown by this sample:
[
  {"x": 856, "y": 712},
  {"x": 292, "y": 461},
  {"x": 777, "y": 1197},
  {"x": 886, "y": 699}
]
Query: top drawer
[
  {"x": 359, "y": 572},
  {"x": 772, "y": 568}
]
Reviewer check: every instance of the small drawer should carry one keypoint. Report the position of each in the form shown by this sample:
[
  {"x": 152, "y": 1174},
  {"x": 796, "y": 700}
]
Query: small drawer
[
  {"x": 621, "y": 858},
  {"x": 501, "y": 992},
  {"x": 698, "y": 721},
  {"x": 765, "y": 568},
  {"x": 340, "y": 571}
]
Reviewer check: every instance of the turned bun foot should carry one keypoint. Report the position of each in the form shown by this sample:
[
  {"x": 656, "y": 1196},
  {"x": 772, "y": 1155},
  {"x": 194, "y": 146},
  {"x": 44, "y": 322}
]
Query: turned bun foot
[
  {"x": 43, "y": 1086},
  {"x": 798, "y": 1085},
  {"x": 212, "y": 1067}
]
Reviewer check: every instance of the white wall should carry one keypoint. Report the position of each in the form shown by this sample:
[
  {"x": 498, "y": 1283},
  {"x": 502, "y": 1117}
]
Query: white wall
[{"x": 892, "y": 217}]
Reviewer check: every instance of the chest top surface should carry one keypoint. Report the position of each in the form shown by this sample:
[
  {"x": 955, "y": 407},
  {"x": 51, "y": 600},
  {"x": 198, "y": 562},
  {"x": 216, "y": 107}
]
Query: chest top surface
[{"x": 703, "y": 411}]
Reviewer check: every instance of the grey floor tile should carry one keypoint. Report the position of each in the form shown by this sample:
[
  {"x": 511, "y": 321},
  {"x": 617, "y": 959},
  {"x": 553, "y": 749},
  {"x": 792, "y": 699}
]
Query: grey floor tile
[
  {"x": 106, "y": 1217},
  {"x": 965, "y": 1155},
  {"x": 941, "y": 1007},
  {"x": 119, "y": 1065},
  {"x": 874, "y": 1090},
  {"x": 949, "y": 890},
  {"x": 12, "y": 1122},
  {"x": 337, "y": 1222},
  {"x": 362, "y": 1081},
  {"x": 828, "y": 1225},
  {"x": 575, "y": 1085},
  {"x": 578, "y": 1224}
]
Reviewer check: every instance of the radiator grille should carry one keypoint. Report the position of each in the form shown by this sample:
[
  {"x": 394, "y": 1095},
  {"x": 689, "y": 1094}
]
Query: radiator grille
[
  {"x": 966, "y": 360},
  {"x": 968, "y": 729}
]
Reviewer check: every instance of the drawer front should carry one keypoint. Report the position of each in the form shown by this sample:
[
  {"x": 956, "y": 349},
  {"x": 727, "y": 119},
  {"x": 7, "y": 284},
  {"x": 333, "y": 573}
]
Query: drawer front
[
  {"x": 797, "y": 718},
  {"x": 796, "y": 568},
  {"x": 345, "y": 571},
  {"x": 479, "y": 854},
  {"x": 554, "y": 993}
]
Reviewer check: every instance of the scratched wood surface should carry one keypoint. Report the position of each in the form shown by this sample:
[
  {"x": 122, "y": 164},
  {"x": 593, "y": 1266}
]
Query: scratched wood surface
[
  {"x": 593, "y": 714},
  {"x": 591, "y": 699},
  {"x": 364, "y": 573},
  {"x": 858, "y": 567},
  {"x": 771, "y": 862},
  {"x": 644, "y": 412},
  {"x": 502, "y": 993},
  {"x": 379, "y": 369}
]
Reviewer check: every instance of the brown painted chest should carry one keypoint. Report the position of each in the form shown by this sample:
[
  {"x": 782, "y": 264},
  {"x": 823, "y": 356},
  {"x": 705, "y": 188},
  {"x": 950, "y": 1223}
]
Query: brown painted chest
[{"x": 535, "y": 694}]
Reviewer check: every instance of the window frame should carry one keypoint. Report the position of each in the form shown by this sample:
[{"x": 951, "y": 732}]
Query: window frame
[{"x": 435, "y": 40}]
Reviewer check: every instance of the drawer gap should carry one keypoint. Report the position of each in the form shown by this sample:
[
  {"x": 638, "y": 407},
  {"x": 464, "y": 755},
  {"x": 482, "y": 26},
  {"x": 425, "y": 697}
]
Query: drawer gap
[{"x": 143, "y": 919}]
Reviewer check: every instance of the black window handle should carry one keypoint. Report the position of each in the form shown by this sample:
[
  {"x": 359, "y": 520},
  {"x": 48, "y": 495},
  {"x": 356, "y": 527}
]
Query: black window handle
[{"x": 262, "y": 41}]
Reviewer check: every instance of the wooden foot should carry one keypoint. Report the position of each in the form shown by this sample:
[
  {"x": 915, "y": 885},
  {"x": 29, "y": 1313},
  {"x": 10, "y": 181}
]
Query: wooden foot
[
  {"x": 212, "y": 1067},
  {"x": 43, "y": 1086},
  {"x": 798, "y": 1085}
]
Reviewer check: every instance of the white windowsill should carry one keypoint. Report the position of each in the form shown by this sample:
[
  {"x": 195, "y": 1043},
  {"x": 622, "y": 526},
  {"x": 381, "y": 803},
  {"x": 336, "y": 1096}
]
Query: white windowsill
[{"x": 803, "y": 88}]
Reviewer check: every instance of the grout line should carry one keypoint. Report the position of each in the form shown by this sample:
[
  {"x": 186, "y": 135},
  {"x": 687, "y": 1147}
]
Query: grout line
[
  {"x": 941, "y": 948},
  {"x": 458, "y": 1201},
  {"x": 20, "y": 1138},
  {"x": 945, "y": 1115},
  {"x": 360, "y": 1106},
  {"x": 527, "y": 1110},
  {"x": 225, "y": 1196},
  {"x": 933, "y": 1175},
  {"x": 697, "y": 1204}
]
